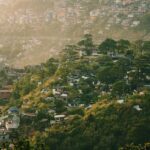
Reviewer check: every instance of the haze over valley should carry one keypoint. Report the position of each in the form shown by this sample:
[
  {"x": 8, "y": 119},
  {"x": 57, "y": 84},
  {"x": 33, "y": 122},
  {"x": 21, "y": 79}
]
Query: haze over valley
[{"x": 31, "y": 31}]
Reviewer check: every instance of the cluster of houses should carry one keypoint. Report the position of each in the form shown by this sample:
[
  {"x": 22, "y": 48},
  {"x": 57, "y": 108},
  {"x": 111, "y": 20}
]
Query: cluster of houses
[
  {"x": 11, "y": 120},
  {"x": 5, "y": 92},
  {"x": 12, "y": 75},
  {"x": 9, "y": 123},
  {"x": 73, "y": 14},
  {"x": 60, "y": 92},
  {"x": 135, "y": 107}
]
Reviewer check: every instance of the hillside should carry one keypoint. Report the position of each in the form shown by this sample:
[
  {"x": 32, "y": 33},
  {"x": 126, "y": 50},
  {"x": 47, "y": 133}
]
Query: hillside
[
  {"x": 95, "y": 96},
  {"x": 108, "y": 125},
  {"x": 86, "y": 71},
  {"x": 35, "y": 30}
]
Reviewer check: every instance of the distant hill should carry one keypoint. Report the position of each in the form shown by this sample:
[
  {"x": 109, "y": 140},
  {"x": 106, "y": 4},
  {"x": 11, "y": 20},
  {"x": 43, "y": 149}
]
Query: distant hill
[{"x": 31, "y": 31}]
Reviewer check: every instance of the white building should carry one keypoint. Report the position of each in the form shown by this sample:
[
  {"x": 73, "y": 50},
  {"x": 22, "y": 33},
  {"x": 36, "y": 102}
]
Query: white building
[
  {"x": 12, "y": 123},
  {"x": 59, "y": 118},
  {"x": 121, "y": 101},
  {"x": 137, "y": 107}
]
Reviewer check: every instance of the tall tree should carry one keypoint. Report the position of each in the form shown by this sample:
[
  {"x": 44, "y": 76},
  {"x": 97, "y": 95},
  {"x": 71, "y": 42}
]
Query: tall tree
[
  {"x": 123, "y": 45},
  {"x": 109, "y": 45},
  {"x": 86, "y": 44}
]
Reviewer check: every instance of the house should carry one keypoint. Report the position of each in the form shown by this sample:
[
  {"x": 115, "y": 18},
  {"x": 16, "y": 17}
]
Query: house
[
  {"x": 130, "y": 15},
  {"x": 118, "y": 21},
  {"x": 81, "y": 105},
  {"x": 44, "y": 120},
  {"x": 71, "y": 84},
  {"x": 117, "y": 1},
  {"x": 39, "y": 83},
  {"x": 95, "y": 53},
  {"x": 111, "y": 54},
  {"x": 4, "y": 137},
  {"x": 64, "y": 95},
  {"x": 8, "y": 87},
  {"x": 32, "y": 115},
  {"x": 13, "y": 122},
  {"x": 59, "y": 118},
  {"x": 52, "y": 122},
  {"x": 85, "y": 77},
  {"x": 107, "y": 28},
  {"x": 101, "y": 32},
  {"x": 26, "y": 104},
  {"x": 51, "y": 112},
  {"x": 13, "y": 110},
  {"x": 135, "y": 23},
  {"x": 49, "y": 16},
  {"x": 2, "y": 123},
  {"x": 11, "y": 146},
  {"x": 82, "y": 53},
  {"x": 5, "y": 94},
  {"x": 88, "y": 107},
  {"x": 125, "y": 23},
  {"x": 121, "y": 101},
  {"x": 73, "y": 104},
  {"x": 94, "y": 13},
  {"x": 137, "y": 107},
  {"x": 56, "y": 92},
  {"x": 80, "y": 91},
  {"x": 49, "y": 99},
  {"x": 148, "y": 77},
  {"x": 141, "y": 93},
  {"x": 44, "y": 91},
  {"x": 98, "y": 83}
]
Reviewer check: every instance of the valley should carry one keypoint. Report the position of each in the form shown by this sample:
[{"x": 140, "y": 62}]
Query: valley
[{"x": 30, "y": 26}]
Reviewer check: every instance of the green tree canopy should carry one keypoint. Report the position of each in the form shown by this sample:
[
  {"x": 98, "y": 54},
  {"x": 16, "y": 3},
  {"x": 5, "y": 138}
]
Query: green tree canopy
[{"x": 108, "y": 45}]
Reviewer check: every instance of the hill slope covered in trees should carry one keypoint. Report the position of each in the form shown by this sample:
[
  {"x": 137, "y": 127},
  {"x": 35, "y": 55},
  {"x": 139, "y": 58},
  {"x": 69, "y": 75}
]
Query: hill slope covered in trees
[{"x": 101, "y": 91}]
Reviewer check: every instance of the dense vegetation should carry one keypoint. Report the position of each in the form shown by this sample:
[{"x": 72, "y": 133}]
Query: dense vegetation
[
  {"x": 107, "y": 126},
  {"x": 89, "y": 80}
]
